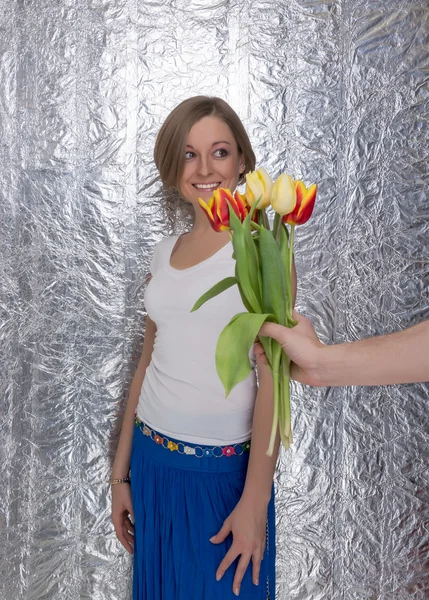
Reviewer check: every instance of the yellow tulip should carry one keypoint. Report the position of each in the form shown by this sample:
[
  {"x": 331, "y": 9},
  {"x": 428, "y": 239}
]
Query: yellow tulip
[
  {"x": 258, "y": 187},
  {"x": 283, "y": 195}
]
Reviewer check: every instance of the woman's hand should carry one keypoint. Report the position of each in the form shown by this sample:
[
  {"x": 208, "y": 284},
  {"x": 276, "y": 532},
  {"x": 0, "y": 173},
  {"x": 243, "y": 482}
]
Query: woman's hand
[
  {"x": 248, "y": 526},
  {"x": 264, "y": 371},
  {"x": 122, "y": 507}
]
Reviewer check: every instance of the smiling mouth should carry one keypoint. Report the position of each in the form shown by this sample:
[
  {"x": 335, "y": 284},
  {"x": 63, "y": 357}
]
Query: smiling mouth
[{"x": 206, "y": 187}]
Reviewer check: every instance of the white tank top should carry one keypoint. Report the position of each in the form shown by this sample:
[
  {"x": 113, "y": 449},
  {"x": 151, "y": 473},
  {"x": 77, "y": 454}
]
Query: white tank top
[{"x": 182, "y": 395}]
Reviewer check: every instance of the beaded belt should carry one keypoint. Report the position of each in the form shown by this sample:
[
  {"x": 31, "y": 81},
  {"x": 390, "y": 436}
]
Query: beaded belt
[{"x": 198, "y": 451}]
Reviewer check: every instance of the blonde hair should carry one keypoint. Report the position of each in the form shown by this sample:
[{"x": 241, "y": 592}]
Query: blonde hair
[{"x": 169, "y": 153}]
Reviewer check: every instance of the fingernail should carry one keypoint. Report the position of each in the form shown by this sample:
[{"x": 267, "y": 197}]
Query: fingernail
[
  {"x": 237, "y": 591},
  {"x": 257, "y": 582},
  {"x": 212, "y": 538},
  {"x": 217, "y": 577}
]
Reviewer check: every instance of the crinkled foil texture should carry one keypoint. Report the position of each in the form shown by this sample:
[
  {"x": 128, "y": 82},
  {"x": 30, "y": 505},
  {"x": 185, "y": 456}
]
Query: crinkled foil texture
[{"x": 334, "y": 92}]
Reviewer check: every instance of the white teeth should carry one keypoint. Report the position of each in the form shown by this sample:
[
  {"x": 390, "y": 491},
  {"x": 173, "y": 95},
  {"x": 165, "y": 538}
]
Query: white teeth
[{"x": 210, "y": 186}]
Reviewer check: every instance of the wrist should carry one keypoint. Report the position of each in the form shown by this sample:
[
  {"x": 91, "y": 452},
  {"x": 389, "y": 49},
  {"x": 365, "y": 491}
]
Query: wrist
[
  {"x": 120, "y": 472},
  {"x": 329, "y": 365},
  {"x": 120, "y": 481},
  {"x": 257, "y": 500},
  {"x": 265, "y": 378}
]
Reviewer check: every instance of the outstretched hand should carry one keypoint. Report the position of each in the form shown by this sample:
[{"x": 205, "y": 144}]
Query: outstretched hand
[{"x": 300, "y": 343}]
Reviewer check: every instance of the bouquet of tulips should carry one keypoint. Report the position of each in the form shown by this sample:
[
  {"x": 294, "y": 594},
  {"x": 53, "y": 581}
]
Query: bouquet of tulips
[{"x": 263, "y": 274}]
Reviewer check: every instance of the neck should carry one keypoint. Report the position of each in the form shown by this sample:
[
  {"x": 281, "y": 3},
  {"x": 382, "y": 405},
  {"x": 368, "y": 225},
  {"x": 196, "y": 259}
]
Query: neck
[
  {"x": 202, "y": 227},
  {"x": 201, "y": 223}
]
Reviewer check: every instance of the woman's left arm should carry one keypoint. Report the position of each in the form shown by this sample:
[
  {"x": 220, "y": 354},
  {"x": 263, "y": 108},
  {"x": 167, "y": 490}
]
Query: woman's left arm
[{"x": 247, "y": 523}]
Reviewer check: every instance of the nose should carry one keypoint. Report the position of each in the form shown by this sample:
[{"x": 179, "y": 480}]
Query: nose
[{"x": 204, "y": 167}]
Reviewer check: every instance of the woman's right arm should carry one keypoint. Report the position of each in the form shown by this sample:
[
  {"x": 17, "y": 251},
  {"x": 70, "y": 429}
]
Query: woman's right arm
[{"x": 121, "y": 493}]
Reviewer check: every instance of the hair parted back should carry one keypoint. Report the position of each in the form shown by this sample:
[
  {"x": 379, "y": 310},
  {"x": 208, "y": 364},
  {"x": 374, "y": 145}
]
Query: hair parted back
[{"x": 169, "y": 153}]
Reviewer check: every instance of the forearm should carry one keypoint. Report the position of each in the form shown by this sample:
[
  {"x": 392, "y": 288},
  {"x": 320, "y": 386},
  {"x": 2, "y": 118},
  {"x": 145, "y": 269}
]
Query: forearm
[
  {"x": 401, "y": 357},
  {"x": 121, "y": 464},
  {"x": 261, "y": 467}
]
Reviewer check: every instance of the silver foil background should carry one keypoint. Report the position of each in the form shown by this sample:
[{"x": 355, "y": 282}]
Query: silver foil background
[{"x": 334, "y": 92}]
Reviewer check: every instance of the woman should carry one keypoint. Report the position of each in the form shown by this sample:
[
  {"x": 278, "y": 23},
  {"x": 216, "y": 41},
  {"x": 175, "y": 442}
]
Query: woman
[{"x": 201, "y": 494}]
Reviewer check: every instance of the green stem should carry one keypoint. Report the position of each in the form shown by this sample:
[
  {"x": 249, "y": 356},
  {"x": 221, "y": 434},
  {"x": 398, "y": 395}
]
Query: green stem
[
  {"x": 289, "y": 307},
  {"x": 278, "y": 227},
  {"x": 267, "y": 346},
  {"x": 281, "y": 405},
  {"x": 291, "y": 242},
  {"x": 265, "y": 222},
  {"x": 277, "y": 350},
  {"x": 286, "y": 424}
]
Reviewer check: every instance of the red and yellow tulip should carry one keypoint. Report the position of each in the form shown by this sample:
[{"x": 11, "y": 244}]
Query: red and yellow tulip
[
  {"x": 217, "y": 208},
  {"x": 305, "y": 199}
]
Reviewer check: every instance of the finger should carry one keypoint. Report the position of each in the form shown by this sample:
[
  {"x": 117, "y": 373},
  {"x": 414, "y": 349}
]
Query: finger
[
  {"x": 227, "y": 561},
  {"x": 117, "y": 523},
  {"x": 273, "y": 330},
  {"x": 129, "y": 510},
  {"x": 222, "y": 534},
  {"x": 256, "y": 567},
  {"x": 258, "y": 348},
  {"x": 121, "y": 537},
  {"x": 128, "y": 537},
  {"x": 260, "y": 354},
  {"x": 129, "y": 525},
  {"x": 239, "y": 573}
]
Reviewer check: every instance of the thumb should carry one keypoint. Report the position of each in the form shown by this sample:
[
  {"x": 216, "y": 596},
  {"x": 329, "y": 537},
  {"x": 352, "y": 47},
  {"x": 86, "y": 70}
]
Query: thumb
[
  {"x": 273, "y": 330},
  {"x": 222, "y": 534}
]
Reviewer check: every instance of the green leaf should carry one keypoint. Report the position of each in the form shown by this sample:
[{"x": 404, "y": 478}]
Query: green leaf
[
  {"x": 233, "y": 347},
  {"x": 242, "y": 263},
  {"x": 244, "y": 300},
  {"x": 273, "y": 277},
  {"x": 252, "y": 260},
  {"x": 220, "y": 287}
]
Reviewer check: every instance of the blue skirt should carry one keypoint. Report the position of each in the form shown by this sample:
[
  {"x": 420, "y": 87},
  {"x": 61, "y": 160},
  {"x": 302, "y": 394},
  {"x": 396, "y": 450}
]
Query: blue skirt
[{"x": 180, "y": 501}]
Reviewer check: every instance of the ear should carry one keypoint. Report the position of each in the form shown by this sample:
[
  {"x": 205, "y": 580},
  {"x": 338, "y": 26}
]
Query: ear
[{"x": 242, "y": 167}]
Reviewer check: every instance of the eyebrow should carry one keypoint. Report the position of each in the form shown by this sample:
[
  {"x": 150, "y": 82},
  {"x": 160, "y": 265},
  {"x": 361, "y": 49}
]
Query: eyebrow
[{"x": 214, "y": 144}]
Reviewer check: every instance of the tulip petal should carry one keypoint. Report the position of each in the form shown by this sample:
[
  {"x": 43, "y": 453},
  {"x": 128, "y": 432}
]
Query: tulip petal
[
  {"x": 207, "y": 209},
  {"x": 283, "y": 196},
  {"x": 304, "y": 205},
  {"x": 258, "y": 188},
  {"x": 307, "y": 205},
  {"x": 241, "y": 204},
  {"x": 211, "y": 214},
  {"x": 222, "y": 197},
  {"x": 252, "y": 188},
  {"x": 301, "y": 191}
]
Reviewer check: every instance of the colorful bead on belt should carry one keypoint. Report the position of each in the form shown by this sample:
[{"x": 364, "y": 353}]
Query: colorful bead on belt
[{"x": 198, "y": 451}]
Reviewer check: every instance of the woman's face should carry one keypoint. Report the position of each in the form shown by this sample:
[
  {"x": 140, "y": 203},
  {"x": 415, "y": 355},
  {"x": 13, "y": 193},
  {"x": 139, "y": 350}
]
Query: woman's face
[{"x": 212, "y": 160}]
